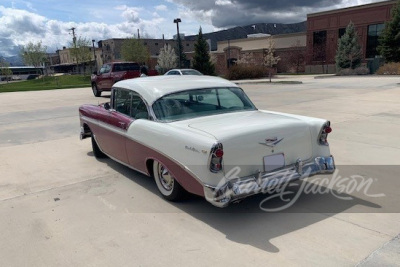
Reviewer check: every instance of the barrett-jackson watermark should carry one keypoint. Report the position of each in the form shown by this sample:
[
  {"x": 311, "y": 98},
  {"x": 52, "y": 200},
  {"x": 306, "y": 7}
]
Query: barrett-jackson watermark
[{"x": 284, "y": 188}]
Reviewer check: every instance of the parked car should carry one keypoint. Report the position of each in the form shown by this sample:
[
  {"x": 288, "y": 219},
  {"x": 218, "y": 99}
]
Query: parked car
[
  {"x": 183, "y": 72},
  {"x": 203, "y": 135},
  {"x": 111, "y": 73}
]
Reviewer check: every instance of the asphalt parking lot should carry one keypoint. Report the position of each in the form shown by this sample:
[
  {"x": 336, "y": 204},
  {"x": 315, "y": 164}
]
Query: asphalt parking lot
[{"x": 59, "y": 206}]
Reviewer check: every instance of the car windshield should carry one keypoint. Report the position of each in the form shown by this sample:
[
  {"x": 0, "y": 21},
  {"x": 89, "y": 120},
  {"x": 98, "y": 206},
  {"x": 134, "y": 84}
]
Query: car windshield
[
  {"x": 201, "y": 102},
  {"x": 191, "y": 72}
]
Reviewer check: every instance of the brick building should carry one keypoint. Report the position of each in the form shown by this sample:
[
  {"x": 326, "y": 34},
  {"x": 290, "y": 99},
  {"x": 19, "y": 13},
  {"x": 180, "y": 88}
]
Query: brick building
[
  {"x": 287, "y": 47},
  {"x": 325, "y": 28}
]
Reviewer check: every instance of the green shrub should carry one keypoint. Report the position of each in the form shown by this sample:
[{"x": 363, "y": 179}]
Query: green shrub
[
  {"x": 246, "y": 71},
  {"x": 389, "y": 69}
]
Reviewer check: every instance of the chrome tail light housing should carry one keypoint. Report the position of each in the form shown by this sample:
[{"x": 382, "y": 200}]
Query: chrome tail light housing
[
  {"x": 323, "y": 135},
  {"x": 216, "y": 158}
]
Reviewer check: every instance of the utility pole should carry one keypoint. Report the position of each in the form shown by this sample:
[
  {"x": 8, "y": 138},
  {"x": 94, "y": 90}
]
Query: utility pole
[
  {"x": 74, "y": 42},
  {"x": 177, "y": 20},
  {"x": 94, "y": 55}
]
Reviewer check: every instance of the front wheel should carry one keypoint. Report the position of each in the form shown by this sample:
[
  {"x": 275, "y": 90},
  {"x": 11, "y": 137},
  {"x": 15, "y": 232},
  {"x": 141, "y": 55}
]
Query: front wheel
[
  {"x": 169, "y": 188},
  {"x": 96, "y": 150},
  {"x": 95, "y": 90}
]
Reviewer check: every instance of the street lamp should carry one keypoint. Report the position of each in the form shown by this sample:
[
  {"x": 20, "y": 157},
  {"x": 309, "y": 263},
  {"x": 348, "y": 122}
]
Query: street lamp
[
  {"x": 177, "y": 20},
  {"x": 94, "y": 55}
]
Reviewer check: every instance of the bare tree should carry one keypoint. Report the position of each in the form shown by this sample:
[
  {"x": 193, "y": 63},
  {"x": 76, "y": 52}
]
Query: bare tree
[
  {"x": 5, "y": 70},
  {"x": 33, "y": 54},
  {"x": 80, "y": 50},
  {"x": 167, "y": 58},
  {"x": 296, "y": 56},
  {"x": 246, "y": 59},
  {"x": 270, "y": 60}
]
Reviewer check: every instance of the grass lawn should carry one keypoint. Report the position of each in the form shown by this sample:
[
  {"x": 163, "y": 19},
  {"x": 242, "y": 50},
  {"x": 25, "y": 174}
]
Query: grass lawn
[{"x": 47, "y": 83}]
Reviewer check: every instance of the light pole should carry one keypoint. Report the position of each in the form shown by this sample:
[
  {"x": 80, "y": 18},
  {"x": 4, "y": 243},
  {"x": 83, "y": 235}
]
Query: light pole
[
  {"x": 177, "y": 20},
  {"x": 94, "y": 56}
]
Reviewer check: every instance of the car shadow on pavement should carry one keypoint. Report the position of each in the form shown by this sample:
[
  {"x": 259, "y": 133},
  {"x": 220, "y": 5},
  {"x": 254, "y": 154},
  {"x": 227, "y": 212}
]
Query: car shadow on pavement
[{"x": 246, "y": 223}]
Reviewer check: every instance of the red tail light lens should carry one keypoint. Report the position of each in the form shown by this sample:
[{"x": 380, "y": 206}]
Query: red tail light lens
[
  {"x": 328, "y": 129},
  {"x": 219, "y": 153},
  {"x": 216, "y": 157}
]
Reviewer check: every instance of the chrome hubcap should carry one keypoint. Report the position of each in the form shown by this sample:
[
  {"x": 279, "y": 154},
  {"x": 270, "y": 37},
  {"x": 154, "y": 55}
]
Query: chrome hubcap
[{"x": 166, "y": 179}]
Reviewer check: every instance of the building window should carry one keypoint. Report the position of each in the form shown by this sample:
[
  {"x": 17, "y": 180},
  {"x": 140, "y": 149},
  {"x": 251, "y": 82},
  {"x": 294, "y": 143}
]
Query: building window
[
  {"x": 319, "y": 46},
  {"x": 187, "y": 44},
  {"x": 155, "y": 43},
  {"x": 342, "y": 31},
  {"x": 374, "y": 31}
]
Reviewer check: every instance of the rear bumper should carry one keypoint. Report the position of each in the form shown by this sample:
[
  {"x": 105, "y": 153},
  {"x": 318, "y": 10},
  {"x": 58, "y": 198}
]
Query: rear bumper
[{"x": 239, "y": 188}]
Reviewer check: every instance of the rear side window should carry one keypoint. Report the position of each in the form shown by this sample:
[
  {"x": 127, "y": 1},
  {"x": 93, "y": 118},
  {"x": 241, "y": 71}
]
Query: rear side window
[{"x": 130, "y": 103}]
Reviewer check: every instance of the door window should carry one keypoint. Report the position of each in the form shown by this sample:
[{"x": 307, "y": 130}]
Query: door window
[{"x": 130, "y": 103}]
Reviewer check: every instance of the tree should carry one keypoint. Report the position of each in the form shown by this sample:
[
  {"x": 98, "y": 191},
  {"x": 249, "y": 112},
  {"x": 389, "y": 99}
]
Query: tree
[
  {"x": 33, "y": 54},
  {"x": 80, "y": 50},
  {"x": 167, "y": 59},
  {"x": 349, "y": 53},
  {"x": 296, "y": 56},
  {"x": 134, "y": 50},
  {"x": 181, "y": 56},
  {"x": 270, "y": 60},
  {"x": 389, "y": 41},
  {"x": 201, "y": 60},
  {"x": 5, "y": 70}
]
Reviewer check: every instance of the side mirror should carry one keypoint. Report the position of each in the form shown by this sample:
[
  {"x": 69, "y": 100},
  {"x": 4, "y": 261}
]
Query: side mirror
[{"x": 107, "y": 106}]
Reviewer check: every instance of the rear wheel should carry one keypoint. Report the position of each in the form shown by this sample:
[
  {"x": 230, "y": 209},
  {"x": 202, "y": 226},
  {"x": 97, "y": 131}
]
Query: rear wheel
[
  {"x": 96, "y": 150},
  {"x": 95, "y": 90},
  {"x": 166, "y": 183}
]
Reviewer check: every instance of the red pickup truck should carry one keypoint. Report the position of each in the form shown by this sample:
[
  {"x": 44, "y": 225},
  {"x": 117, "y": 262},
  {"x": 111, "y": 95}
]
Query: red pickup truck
[{"x": 111, "y": 73}]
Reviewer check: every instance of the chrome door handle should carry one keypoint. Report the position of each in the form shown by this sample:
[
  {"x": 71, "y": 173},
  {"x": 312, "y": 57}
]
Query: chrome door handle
[{"x": 122, "y": 124}]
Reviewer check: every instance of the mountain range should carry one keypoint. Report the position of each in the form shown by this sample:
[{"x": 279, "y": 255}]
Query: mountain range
[{"x": 13, "y": 60}]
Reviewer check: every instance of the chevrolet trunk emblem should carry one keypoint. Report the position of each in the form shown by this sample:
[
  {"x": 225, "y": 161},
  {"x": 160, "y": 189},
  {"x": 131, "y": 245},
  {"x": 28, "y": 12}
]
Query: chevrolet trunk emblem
[{"x": 271, "y": 142}]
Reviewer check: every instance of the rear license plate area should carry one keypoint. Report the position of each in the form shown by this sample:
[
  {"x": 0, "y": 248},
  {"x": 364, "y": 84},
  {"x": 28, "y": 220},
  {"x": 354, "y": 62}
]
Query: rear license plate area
[{"x": 274, "y": 162}]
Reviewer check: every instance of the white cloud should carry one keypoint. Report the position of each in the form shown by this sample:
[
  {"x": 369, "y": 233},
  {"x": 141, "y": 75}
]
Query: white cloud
[
  {"x": 223, "y": 2},
  {"x": 161, "y": 7},
  {"x": 18, "y": 27},
  {"x": 131, "y": 14}
]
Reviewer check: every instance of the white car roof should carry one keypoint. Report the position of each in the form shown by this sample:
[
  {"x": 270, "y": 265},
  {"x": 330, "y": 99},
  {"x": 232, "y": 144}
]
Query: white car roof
[{"x": 152, "y": 88}]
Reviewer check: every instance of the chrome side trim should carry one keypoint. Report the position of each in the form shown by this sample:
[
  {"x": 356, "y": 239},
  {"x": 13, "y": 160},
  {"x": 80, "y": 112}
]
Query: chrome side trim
[{"x": 239, "y": 188}]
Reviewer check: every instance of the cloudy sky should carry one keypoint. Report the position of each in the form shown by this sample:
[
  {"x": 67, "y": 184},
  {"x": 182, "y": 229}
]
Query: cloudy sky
[{"x": 48, "y": 21}]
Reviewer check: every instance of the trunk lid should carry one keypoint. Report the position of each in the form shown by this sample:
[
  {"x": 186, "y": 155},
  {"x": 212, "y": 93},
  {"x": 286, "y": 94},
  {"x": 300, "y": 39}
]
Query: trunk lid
[{"x": 258, "y": 141}]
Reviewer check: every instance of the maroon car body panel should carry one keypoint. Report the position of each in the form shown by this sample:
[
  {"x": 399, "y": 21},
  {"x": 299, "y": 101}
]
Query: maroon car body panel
[{"x": 109, "y": 128}]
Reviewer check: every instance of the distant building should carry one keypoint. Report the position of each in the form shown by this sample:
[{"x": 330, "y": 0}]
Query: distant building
[
  {"x": 67, "y": 63},
  {"x": 325, "y": 28},
  {"x": 111, "y": 48}
]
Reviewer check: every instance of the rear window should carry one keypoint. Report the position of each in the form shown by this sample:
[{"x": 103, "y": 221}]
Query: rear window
[
  {"x": 191, "y": 72},
  {"x": 201, "y": 102}
]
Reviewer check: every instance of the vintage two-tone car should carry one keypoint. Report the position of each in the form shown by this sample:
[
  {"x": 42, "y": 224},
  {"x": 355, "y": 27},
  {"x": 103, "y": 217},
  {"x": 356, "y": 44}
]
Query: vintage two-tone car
[{"x": 203, "y": 135}]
